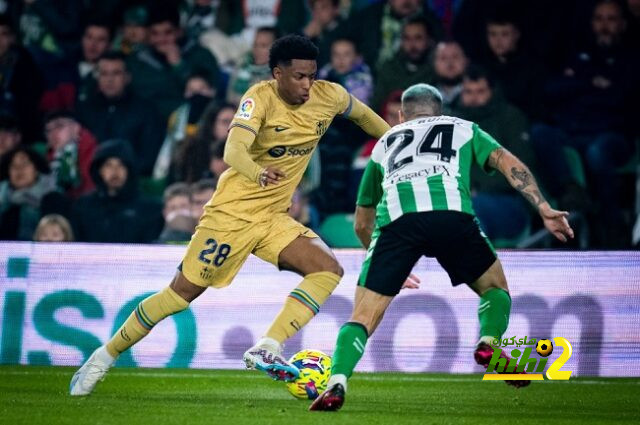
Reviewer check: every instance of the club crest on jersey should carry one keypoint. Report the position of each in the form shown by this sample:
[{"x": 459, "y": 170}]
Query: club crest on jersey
[
  {"x": 246, "y": 109},
  {"x": 321, "y": 127}
]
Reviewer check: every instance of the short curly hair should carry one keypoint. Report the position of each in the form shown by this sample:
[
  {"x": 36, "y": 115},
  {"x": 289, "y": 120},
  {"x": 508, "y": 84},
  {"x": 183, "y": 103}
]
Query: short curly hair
[{"x": 290, "y": 47}]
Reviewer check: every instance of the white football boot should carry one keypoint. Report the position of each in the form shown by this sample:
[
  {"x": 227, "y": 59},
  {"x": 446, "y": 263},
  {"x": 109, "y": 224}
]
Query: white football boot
[
  {"x": 266, "y": 356},
  {"x": 92, "y": 371}
]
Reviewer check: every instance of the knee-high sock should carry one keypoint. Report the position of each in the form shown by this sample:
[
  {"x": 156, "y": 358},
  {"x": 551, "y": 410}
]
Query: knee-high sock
[
  {"x": 352, "y": 340},
  {"x": 493, "y": 312},
  {"x": 146, "y": 315},
  {"x": 302, "y": 304}
]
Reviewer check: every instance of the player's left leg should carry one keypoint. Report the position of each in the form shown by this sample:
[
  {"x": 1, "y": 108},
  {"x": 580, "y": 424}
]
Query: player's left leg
[{"x": 311, "y": 258}]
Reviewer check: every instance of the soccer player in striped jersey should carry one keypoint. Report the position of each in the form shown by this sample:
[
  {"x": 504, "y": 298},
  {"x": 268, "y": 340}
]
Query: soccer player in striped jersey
[{"x": 414, "y": 200}]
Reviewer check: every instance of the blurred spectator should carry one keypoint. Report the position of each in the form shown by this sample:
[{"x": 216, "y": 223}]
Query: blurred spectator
[
  {"x": 115, "y": 212},
  {"x": 20, "y": 81},
  {"x": 24, "y": 183},
  {"x": 231, "y": 41},
  {"x": 133, "y": 37},
  {"x": 70, "y": 151},
  {"x": 411, "y": 65},
  {"x": 95, "y": 42},
  {"x": 201, "y": 193},
  {"x": 503, "y": 213},
  {"x": 324, "y": 27},
  {"x": 161, "y": 71},
  {"x": 377, "y": 29},
  {"x": 183, "y": 122},
  {"x": 254, "y": 68},
  {"x": 192, "y": 159},
  {"x": 179, "y": 223},
  {"x": 518, "y": 73},
  {"x": 449, "y": 64},
  {"x": 217, "y": 166},
  {"x": 198, "y": 16},
  {"x": 51, "y": 31},
  {"x": 302, "y": 211},
  {"x": 10, "y": 135},
  {"x": 348, "y": 70},
  {"x": 114, "y": 112},
  {"x": 591, "y": 107},
  {"x": 53, "y": 228}
]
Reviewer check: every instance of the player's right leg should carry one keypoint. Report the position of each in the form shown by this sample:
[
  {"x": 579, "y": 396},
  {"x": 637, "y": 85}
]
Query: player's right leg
[{"x": 173, "y": 299}]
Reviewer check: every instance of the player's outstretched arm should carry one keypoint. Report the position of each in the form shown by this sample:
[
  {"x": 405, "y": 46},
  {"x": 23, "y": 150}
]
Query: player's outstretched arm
[
  {"x": 366, "y": 119},
  {"x": 236, "y": 154},
  {"x": 521, "y": 178}
]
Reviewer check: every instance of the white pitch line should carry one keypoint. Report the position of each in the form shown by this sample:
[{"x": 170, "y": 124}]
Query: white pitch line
[{"x": 360, "y": 377}]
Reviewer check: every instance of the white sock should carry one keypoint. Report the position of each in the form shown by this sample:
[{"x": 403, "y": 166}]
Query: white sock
[
  {"x": 338, "y": 379},
  {"x": 269, "y": 343},
  {"x": 103, "y": 356}
]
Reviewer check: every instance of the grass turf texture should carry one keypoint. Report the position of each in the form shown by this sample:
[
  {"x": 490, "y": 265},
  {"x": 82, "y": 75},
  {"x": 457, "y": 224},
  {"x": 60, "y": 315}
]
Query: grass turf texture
[{"x": 39, "y": 395}]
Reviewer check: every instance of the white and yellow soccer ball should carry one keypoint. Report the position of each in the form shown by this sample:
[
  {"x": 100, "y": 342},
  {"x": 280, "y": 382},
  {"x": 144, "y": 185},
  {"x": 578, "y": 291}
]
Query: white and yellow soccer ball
[{"x": 315, "y": 370}]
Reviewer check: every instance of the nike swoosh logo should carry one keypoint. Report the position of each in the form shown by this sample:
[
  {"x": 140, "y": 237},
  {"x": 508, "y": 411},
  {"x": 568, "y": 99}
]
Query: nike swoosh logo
[{"x": 279, "y": 129}]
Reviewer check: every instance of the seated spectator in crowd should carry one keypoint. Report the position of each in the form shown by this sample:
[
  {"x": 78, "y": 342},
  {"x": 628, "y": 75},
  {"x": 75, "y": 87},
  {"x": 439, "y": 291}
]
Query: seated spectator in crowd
[
  {"x": 53, "y": 228},
  {"x": 238, "y": 22},
  {"x": 160, "y": 71},
  {"x": 113, "y": 111},
  {"x": 348, "y": 70},
  {"x": 95, "y": 42},
  {"x": 591, "y": 107},
  {"x": 184, "y": 121},
  {"x": 114, "y": 211},
  {"x": 449, "y": 64},
  {"x": 199, "y": 16},
  {"x": 10, "y": 135},
  {"x": 503, "y": 213},
  {"x": 192, "y": 162},
  {"x": 255, "y": 66},
  {"x": 217, "y": 166},
  {"x": 21, "y": 83},
  {"x": 324, "y": 27},
  {"x": 411, "y": 65},
  {"x": 133, "y": 36},
  {"x": 179, "y": 223},
  {"x": 25, "y": 181},
  {"x": 377, "y": 29},
  {"x": 201, "y": 193},
  {"x": 518, "y": 74},
  {"x": 50, "y": 30},
  {"x": 70, "y": 149}
]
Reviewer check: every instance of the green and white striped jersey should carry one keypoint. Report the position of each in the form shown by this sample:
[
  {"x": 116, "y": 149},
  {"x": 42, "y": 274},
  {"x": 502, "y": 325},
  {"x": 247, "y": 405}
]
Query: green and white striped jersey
[{"x": 424, "y": 165}]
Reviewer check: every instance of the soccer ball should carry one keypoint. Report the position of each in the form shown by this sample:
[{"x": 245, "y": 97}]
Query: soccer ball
[
  {"x": 544, "y": 347},
  {"x": 315, "y": 370}
]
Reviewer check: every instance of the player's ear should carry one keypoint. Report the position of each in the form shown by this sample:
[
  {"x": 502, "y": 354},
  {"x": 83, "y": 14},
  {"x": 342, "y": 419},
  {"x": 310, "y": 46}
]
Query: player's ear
[{"x": 276, "y": 72}]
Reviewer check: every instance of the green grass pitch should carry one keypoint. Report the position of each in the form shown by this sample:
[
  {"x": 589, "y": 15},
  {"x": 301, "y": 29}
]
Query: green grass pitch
[{"x": 39, "y": 395}]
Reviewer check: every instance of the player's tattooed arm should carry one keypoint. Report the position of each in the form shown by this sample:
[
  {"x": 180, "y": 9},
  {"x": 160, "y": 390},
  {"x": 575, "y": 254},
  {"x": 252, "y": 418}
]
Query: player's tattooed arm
[{"x": 518, "y": 175}]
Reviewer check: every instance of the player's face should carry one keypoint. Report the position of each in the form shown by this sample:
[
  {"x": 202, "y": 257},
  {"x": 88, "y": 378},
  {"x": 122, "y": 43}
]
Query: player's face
[
  {"x": 450, "y": 61},
  {"x": 295, "y": 80},
  {"x": 95, "y": 42},
  {"x": 475, "y": 93},
  {"x": 502, "y": 39},
  {"x": 608, "y": 24},
  {"x": 112, "y": 78}
]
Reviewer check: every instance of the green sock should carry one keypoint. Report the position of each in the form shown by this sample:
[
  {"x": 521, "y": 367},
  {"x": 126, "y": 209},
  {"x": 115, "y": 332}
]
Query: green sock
[
  {"x": 493, "y": 312},
  {"x": 352, "y": 339}
]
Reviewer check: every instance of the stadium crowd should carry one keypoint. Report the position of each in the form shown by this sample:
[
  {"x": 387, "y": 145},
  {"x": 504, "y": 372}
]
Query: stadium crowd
[{"x": 114, "y": 113}]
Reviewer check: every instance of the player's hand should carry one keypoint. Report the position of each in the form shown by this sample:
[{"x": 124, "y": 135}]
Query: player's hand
[
  {"x": 412, "y": 282},
  {"x": 556, "y": 223},
  {"x": 271, "y": 175}
]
